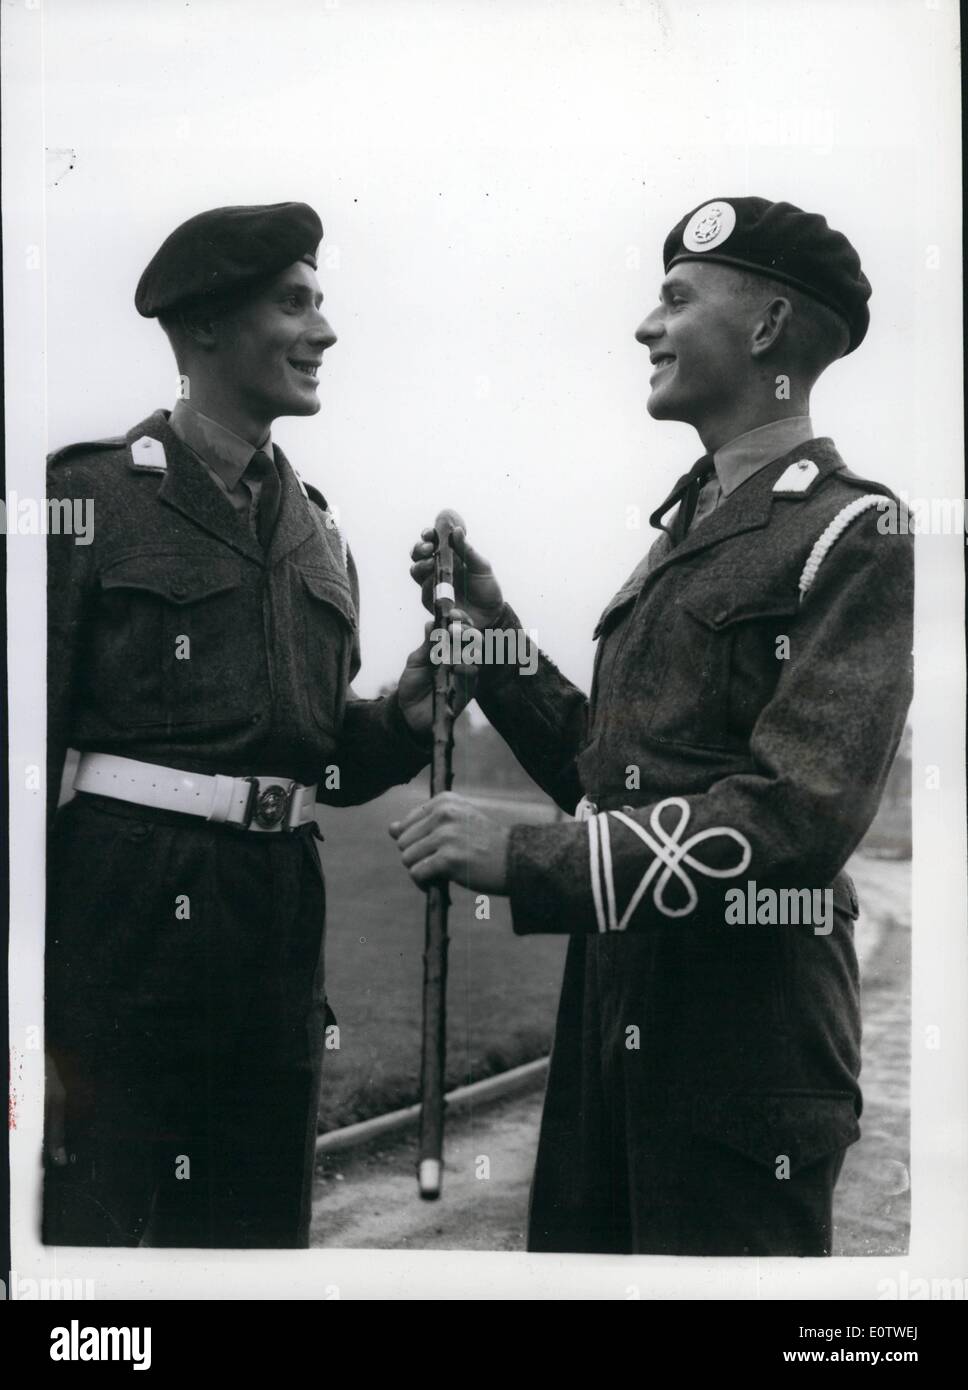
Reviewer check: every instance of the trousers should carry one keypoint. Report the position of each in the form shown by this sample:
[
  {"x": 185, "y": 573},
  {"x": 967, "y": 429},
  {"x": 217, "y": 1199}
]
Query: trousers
[
  {"x": 185, "y": 1016},
  {"x": 646, "y": 1149}
]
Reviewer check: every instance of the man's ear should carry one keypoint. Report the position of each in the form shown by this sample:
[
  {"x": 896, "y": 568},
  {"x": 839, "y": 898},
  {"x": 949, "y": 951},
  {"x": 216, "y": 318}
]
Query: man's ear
[
  {"x": 200, "y": 327},
  {"x": 771, "y": 325}
]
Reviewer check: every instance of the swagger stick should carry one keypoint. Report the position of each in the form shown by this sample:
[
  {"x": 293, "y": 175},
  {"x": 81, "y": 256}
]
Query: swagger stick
[{"x": 434, "y": 1048}]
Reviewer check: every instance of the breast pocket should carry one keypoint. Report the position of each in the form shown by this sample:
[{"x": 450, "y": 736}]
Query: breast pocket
[
  {"x": 329, "y": 628},
  {"x": 723, "y": 663},
  {"x": 181, "y": 642}
]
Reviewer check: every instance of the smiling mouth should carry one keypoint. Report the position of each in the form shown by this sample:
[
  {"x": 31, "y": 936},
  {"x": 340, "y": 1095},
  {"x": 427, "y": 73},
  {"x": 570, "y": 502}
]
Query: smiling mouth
[
  {"x": 308, "y": 369},
  {"x": 662, "y": 359}
]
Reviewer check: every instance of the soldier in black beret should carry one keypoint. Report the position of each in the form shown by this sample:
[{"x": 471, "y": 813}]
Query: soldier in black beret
[
  {"x": 750, "y": 687},
  {"x": 200, "y": 655}
]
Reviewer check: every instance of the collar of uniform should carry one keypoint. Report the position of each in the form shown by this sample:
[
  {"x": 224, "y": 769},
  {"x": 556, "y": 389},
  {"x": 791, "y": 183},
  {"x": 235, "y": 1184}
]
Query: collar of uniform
[
  {"x": 753, "y": 507},
  {"x": 748, "y": 453},
  {"x": 751, "y": 512},
  {"x": 186, "y": 487},
  {"x": 224, "y": 451}
]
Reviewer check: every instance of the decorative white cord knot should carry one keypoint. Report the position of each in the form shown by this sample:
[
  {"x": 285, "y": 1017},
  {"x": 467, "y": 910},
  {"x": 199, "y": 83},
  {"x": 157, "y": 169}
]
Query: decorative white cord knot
[{"x": 669, "y": 850}]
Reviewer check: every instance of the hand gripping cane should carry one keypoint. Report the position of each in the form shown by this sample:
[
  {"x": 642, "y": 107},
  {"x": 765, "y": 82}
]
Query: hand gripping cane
[{"x": 434, "y": 1045}]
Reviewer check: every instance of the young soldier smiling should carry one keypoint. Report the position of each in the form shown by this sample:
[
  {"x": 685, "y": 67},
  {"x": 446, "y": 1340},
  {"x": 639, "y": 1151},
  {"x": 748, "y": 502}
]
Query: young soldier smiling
[
  {"x": 751, "y": 682},
  {"x": 199, "y": 657}
]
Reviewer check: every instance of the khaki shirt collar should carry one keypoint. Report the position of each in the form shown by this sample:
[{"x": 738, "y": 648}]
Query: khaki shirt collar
[
  {"x": 748, "y": 453},
  {"x": 220, "y": 449}
]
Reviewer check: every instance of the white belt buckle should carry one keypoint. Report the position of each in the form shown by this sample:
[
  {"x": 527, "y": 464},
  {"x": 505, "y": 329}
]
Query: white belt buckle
[
  {"x": 277, "y": 805},
  {"x": 267, "y": 805},
  {"x": 302, "y": 807}
]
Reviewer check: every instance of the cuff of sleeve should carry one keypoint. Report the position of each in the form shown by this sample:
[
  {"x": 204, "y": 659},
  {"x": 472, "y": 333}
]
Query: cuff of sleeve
[
  {"x": 493, "y": 674},
  {"x": 549, "y": 886},
  {"x": 415, "y": 752}
]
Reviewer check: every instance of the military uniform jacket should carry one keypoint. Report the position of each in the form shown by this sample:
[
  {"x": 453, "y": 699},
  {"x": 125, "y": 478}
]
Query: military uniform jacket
[
  {"x": 731, "y": 756},
  {"x": 175, "y": 639}
]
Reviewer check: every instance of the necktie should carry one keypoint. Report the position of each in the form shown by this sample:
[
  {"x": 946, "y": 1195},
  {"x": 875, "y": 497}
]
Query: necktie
[
  {"x": 686, "y": 493},
  {"x": 262, "y": 471},
  {"x": 710, "y": 496}
]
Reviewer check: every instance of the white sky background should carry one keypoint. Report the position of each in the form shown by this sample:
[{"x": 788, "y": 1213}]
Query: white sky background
[{"x": 495, "y": 182}]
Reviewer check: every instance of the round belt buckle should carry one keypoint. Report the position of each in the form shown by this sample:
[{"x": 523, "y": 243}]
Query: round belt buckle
[{"x": 271, "y": 807}]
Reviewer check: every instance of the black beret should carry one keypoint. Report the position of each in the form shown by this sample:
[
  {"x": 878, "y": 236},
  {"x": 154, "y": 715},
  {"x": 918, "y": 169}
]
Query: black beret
[
  {"x": 780, "y": 241},
  {"x": 224, "y": 249}
]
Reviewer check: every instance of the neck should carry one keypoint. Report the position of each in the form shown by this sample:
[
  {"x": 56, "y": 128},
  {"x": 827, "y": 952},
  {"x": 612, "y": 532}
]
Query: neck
[
  {"x": 216, "y": 400},
  {"x": 746, "y": 416}
]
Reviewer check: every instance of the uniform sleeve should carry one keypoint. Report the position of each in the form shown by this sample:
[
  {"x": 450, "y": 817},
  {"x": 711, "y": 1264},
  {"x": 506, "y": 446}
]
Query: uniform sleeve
[
  {"x": 542, "y": 718},
  {"x": 70, "y": 568},
  {"x": 821, "y": 751},
  {"x": 376, "y": 749}
]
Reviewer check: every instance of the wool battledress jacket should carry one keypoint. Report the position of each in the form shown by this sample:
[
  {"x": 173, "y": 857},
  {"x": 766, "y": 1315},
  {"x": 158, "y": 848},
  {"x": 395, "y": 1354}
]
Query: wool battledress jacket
[
  {"x": 186, "y": 1004},
  {"x": 742, "y": 731},
  {"x": 274, "y": 639}
]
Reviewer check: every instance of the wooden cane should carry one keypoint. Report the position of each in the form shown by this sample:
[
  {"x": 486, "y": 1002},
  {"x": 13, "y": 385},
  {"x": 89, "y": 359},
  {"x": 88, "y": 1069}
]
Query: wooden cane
[{"x": 434, "y": 1042}]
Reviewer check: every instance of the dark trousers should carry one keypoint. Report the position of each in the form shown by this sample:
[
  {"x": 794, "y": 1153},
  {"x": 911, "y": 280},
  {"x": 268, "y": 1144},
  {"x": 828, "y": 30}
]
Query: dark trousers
[
  {"x": 186, "y": 1016},
  {"x": 680, "y": 1194},
  {"x": 631, "y": 1160}
]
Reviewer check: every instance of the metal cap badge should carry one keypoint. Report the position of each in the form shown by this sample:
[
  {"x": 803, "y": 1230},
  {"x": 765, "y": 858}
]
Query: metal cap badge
[{"x": 709, "y": 227}]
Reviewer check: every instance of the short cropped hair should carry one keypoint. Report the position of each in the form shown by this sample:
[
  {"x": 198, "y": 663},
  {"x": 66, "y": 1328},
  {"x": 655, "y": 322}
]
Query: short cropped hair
[{"x": 820, "y": 335}]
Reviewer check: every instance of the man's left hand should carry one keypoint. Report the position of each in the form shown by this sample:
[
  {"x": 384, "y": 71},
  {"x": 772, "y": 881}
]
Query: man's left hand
[
  {"x": 449, "y": 838},
  {"x": 415, "y": 692}
]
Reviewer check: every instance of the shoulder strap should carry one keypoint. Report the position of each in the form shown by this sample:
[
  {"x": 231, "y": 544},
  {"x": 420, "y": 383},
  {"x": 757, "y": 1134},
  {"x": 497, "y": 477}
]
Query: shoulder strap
[{"x": 87, "y": 446}]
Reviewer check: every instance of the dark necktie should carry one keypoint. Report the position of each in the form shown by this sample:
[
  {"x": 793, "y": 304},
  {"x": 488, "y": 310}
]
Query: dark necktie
[
  {"x": 686, "y": 493},
  {"x": 263, "y": 471}
]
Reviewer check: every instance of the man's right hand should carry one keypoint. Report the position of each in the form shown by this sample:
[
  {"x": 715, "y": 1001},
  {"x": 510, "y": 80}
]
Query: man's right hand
[{"x": 478, "y": 592}]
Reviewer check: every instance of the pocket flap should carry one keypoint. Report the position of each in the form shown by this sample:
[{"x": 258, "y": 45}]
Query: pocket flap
[
  {"x": 327, "y": 588},
  {"x": 616, "y": 605},
  {"x": 715, "y": 612},
  {"x": 802, "y": 1125},
  {"x": 179, "y": 579},
  {"x": 630, "y": 590}
]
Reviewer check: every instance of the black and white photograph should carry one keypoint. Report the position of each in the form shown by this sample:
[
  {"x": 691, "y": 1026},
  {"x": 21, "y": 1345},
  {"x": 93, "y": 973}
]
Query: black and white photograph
[{"x": 485, "y": 553}]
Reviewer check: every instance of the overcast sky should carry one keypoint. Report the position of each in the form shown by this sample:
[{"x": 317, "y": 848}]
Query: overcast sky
[{"x": 496, "y": 181}]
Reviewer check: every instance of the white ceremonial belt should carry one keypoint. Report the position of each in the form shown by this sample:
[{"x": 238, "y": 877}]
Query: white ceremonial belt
[{"x": 268, "y": 804}]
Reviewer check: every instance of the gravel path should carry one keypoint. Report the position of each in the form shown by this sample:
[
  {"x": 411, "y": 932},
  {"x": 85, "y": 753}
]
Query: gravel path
[{"x": 368, "y": 1198}]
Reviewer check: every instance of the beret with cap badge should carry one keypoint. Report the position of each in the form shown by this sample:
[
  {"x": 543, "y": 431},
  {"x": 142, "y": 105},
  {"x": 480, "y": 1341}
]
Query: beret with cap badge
[
  {"x": 783, "y": 243},
  {"x": 225, "y": 248}
]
